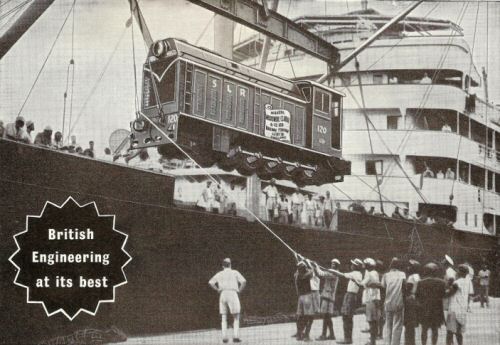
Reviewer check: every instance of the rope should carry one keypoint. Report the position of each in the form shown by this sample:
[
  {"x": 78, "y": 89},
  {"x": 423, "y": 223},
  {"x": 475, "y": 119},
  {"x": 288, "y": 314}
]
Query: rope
[
  {"x": 460, "y": 136},
  {"x": 205, "y": 30},
  {"x": 46, "y": 59},
  {"x": 14, "y": 9},
  {"x": 486, "y": 117},
  {"x": 10, "y": 20},
  {"x": 360, "y": 84},
  {"x": 5, "y": 3},
  {"x": 70, "y": 64},
  {"x": 136, "y": 93},
  {"x": 96, "y": 84}
]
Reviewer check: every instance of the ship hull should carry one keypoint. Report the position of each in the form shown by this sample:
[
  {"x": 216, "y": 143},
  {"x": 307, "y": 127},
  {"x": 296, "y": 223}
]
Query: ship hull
[{"x": 175, "y": 251}]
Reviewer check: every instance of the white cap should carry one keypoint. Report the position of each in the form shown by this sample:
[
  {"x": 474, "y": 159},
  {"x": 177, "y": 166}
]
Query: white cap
[
  {"x": 336, "y": 261},
  {"x": 449, "y": 260},
  {"x": 369, "y": 261},
  {"x": 357, "y": 262}
]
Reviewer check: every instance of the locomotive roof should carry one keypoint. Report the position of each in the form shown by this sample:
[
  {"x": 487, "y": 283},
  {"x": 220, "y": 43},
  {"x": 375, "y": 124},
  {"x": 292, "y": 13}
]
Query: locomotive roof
[
  {"x": 197, "y": 54},
  {"x": 321, "y": 86}
]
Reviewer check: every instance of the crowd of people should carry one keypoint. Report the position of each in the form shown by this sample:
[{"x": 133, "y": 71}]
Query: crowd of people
[
  {"x": 449, "y": 174},
  {"x": 299, "y": 209},
  {"x": 405, "y": 296},
  {"x": 216, "y": 199},
  {"x": 22, "y": 131}
]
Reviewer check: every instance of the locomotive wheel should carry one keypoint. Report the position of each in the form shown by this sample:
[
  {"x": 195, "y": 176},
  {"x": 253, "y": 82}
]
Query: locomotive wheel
[
  {"x": 248, "y": 165},
  {"x": 230, "y": 161},
  {"x": 270, "y": 169},
  {"x": 303, "y": 176}
]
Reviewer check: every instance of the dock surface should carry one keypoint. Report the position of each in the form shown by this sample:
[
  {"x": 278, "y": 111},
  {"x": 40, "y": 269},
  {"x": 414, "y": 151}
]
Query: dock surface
[{"x": 483, "y": 328}]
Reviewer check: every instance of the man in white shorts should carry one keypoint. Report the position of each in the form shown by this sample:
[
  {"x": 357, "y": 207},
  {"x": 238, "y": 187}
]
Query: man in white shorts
[{"x": 229, "y": 283}]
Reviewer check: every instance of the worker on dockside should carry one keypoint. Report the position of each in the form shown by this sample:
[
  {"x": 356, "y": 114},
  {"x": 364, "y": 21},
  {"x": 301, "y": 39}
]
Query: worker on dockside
[
  {"x": 229, "y": 283},
  {"x": 350, "y": 302},
  {"x": 328, "y": 294},
  {"x": 305, "y": 303}
]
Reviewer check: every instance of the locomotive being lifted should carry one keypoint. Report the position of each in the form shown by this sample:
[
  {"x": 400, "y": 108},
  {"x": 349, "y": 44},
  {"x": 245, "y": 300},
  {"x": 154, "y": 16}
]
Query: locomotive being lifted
[{"x": 225, "y": 113}]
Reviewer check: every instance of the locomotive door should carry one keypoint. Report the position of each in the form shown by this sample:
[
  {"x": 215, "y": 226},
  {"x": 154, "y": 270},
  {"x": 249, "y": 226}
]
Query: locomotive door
[{"x": 321, "y": 121}]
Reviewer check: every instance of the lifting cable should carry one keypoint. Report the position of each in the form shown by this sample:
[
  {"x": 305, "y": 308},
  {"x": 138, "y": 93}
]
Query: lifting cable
[
  {"x": 16, "y": 11},
  {"x": 360, "y": 84},
  {"x": 71, "y": 65},
  {"x": 46, "y": 59},
  {"x": 458, "y": 124},
  {"x": 205, "y": 30},
  {"x": 97, "y": 82},
  {"x": 136, "y": 92},
  {"x": 486, "y": 121}
]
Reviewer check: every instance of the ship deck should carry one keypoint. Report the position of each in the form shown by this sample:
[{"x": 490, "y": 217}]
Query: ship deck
[{"x": 483, "y": 327}]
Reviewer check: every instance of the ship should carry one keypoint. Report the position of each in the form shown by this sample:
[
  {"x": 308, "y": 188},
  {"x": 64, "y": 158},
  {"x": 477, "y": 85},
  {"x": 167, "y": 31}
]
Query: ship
[{"x": 176, "y": 248}]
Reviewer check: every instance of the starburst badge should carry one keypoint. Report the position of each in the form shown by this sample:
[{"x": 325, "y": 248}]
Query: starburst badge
[{"x": 70, "y": 258}]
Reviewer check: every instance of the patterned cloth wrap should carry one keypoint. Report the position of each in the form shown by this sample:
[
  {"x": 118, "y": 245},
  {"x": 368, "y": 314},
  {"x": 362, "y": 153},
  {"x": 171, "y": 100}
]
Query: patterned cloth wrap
[{"x": 89, "y": 337}]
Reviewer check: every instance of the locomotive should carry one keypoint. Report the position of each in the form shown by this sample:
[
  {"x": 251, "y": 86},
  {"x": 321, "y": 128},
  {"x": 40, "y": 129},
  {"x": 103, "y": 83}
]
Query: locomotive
[{"x": 225, "y": 113}]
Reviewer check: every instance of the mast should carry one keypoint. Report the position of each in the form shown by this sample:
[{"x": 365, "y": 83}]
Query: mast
[{"x": 22, "y": 24}]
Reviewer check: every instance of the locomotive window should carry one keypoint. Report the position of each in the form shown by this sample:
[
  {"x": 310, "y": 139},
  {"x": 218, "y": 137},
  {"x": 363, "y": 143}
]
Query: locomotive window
[
  {"x": 164, "y": 83},
  {"x": 322, "y": 101},
  {"x": 228, "y": 102},
  {"x": 200, "y": 80},
  {"x": 298, "y": 126},
  {"x": 213, "y": 95},
  {"x": 307, "y": 93},
  {"x": 243, "y": 97},
  {"x": 336, "y": 122}
]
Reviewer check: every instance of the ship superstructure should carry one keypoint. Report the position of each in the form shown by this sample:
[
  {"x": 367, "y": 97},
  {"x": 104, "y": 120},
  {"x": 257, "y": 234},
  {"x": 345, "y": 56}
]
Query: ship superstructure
[{"x": 414, "y": 119}]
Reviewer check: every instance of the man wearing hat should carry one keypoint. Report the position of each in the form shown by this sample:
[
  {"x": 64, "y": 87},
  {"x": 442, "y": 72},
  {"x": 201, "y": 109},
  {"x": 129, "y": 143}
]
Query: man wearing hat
[
  {"x": 350, "y": 301},
  {"x": 393, "y": 282},
  {"x": 449, "y": 277},
  {"x": 44, "y": 138},
  {"x": 14, "y": 131},
  {"x": 327, "y": 304},
  {"x": 429, "y": 295},
  {"x": 371, "y": 297},
  {"x": 229, "y": 283},
  {"x": 271, "y": 193},
  {"x": 411, "y": 307},
  {"x": 305, "y": 306},
  {"x": 30, "y": 127},
  {"x": 457, "y": 312}
]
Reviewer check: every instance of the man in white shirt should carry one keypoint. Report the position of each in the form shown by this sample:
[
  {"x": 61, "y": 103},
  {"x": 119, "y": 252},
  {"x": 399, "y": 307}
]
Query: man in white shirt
[
  {"x": 393, "y": 282},
  {"x": 371, "y": 297},
  {"x": 297, "y": 201},
  {"x": 449, "y": 278},
  {"x": 271, "y": 193},
  {"x": 14, "y": 131},
  {"x": 207, "y": 198},
  {"x": 350, "y": 302},
  {"x": 310, "y": 206},
  {"x": 457, "y": 312},
  {"x": 229, "y": 283},
  {"x": 328, "y": 209}
]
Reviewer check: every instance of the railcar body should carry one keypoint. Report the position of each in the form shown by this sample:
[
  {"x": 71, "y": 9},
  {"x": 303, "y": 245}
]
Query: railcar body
[{"x": 229, "y": 114}]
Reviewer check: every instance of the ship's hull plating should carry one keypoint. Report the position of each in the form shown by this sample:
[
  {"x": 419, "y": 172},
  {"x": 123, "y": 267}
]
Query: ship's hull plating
[{"x": 175, "y": 251}]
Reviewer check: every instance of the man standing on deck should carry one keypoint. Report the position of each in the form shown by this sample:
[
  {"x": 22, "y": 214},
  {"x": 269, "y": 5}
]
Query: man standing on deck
[
  {"x": 484, "y": 285},
  {"x": 14, "y": 131},
  {"x": 229, "y": 283},
  {"x": 271, "y": 193},
  {"x": 297, "y": 201},
  {"x": 328, "y": 209}
]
